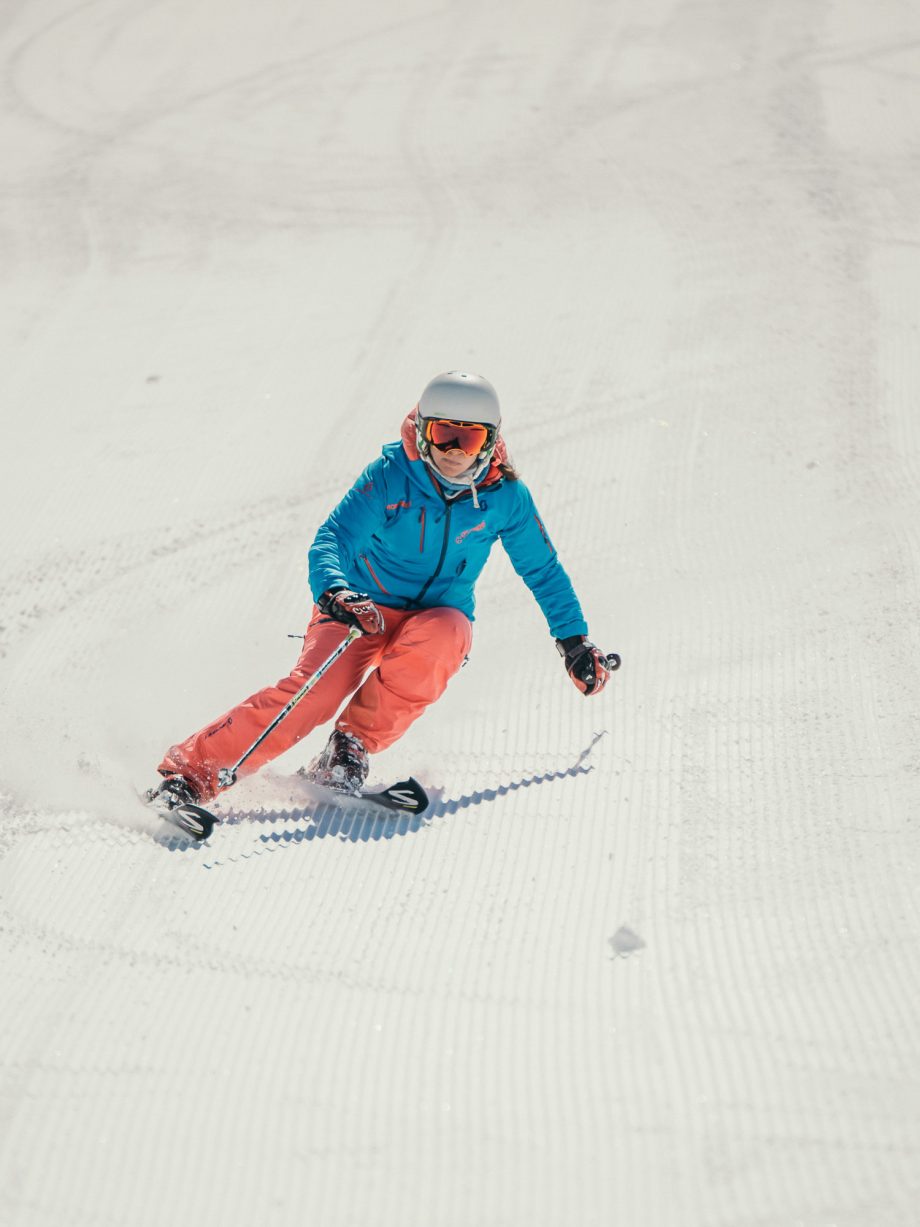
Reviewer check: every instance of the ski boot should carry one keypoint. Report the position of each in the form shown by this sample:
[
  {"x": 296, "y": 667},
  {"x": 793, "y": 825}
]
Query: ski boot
[
  {"x": 174, "y": 791},
  {"x": 177, "y": 800},
  {"x": 342, "y": 766}
]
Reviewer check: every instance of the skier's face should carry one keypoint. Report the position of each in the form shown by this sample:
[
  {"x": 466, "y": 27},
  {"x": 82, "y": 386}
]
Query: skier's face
[
  {"x": 455, "y": 447},
  {"x": 452, "y": 464}
]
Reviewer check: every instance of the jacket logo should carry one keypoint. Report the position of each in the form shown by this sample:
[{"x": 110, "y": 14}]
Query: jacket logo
[
  {"x": 477, "y": 528},
  {"x": 217, "y": 727}
]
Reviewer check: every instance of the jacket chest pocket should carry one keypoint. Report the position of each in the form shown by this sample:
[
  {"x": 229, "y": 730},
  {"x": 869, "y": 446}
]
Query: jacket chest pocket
[{"x": 411, "y": 530}]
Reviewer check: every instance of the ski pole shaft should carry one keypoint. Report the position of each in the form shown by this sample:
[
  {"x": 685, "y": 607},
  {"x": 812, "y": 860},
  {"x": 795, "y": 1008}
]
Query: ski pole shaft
[{"x": 227, "y": 775}]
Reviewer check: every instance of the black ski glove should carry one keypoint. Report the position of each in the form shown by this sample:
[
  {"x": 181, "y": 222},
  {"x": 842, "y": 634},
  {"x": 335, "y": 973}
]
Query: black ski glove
[
  {"x": 352, "y": 608},
  {"x": 585, "y": 664}
]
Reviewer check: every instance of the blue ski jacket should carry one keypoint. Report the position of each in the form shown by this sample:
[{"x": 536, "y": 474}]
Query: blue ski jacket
[{"x": 412, "y": 542}]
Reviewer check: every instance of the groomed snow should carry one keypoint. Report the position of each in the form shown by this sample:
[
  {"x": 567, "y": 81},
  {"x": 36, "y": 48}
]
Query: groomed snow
[{"x": 679, "y": 989}]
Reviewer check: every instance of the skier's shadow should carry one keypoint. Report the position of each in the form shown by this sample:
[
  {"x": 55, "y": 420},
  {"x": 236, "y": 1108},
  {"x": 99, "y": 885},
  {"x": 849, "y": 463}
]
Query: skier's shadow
[{"x": 354, "y": 823}]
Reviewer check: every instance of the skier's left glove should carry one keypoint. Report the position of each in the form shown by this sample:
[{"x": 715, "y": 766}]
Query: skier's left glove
[
  {"x": 352, "y": 608},
  {"x": 585, "y": 664}
]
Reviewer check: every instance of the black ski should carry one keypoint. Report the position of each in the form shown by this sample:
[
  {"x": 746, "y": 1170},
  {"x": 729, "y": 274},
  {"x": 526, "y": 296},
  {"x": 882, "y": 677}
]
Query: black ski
[
  {"x": 408, "y": 796},
  {"x": 404, "y": 797},
  {"x": 194, "y": 820}
]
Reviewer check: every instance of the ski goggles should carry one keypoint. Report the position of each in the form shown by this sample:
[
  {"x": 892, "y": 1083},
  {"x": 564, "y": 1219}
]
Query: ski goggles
[{"x": 469, "y": 437}]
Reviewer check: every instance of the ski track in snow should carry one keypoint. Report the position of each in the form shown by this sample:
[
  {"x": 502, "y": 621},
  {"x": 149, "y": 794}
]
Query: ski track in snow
[{"x": 664, "y": 976}]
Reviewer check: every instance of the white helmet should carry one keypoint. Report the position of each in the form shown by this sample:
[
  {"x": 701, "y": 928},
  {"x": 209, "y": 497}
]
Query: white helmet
[{"x": 459, "y": 397}]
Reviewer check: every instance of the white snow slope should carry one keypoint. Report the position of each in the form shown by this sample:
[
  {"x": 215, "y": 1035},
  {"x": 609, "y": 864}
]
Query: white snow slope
[{"x": 679, "y": 989}]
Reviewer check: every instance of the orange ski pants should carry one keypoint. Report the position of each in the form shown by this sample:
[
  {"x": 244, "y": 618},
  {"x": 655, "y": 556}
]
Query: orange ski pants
[{"x": 391, "y": 678}]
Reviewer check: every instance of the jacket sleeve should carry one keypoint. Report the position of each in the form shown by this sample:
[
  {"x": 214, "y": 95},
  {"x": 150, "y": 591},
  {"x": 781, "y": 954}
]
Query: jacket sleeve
[
  {"x": 534, "y": 558},
  {"x": 347, "y": 530}
]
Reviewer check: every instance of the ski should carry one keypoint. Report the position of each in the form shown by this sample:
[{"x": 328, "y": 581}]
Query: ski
[
  {"x": 193, "y": 819},
  {"x": 405, "y": 796}
]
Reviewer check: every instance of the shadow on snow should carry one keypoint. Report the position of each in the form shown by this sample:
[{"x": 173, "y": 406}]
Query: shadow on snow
[
  {"x": 355, "y": 821},
  {"x": 351, "y": 820}
]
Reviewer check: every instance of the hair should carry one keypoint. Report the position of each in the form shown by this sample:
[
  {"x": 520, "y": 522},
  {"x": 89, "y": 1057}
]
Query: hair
[{"x": 506, "y": 465}]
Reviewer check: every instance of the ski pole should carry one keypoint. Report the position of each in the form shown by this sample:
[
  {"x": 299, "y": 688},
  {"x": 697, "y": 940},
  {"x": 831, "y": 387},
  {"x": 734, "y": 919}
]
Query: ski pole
[{"x": 227, "y": 775}]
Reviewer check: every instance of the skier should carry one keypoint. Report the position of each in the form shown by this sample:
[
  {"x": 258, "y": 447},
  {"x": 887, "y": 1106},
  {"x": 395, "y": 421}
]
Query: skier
[{"x": 398, "y": 559}]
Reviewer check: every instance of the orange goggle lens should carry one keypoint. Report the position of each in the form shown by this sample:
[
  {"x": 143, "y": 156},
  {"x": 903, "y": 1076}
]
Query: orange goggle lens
[{"x": 446, "y": 436}]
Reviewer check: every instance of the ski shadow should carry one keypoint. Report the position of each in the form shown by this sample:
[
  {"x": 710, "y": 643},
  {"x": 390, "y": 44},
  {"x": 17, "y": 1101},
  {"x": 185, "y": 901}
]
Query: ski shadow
[{"x": 354, "y": 822}]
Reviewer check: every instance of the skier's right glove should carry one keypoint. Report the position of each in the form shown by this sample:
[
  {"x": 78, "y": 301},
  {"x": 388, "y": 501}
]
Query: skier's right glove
[
  {"x": 585, "y": 664},
  {"x": 352, "y": 608}
]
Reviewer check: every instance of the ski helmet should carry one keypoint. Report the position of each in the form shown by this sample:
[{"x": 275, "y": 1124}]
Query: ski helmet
[{"x": 457, "y": 396}]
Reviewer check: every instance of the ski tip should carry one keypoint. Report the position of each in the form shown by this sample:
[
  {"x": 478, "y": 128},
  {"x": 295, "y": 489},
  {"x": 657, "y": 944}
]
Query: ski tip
[
  {"x": 406, "y": 795},
  {"x": 420, "y": 793},
  {"x": 192, "y": 819},
  {"x": 201, "y": 821}
]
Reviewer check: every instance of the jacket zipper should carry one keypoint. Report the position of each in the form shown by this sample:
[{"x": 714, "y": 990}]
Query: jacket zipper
[
  {"x": 373, "y": 575},
  {"x": 421, "y": 535},
  {"x": 437, "y": 571}
]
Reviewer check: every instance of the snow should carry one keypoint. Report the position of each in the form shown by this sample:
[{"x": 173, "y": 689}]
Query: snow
[{"x": 678, "y": 989}]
